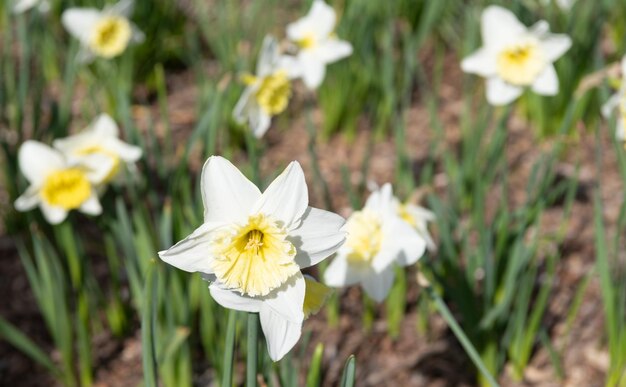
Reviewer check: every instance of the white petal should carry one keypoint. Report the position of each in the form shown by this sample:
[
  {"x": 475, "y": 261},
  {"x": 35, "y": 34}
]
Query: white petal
[
  {"x": 313, "y": 69},
  {"x": 79, "y": 22},
  {"x": 138, "y": 36},
  {"x": 280, "y": 334},
  {"x": 54, "y": 215},
  {"x": 406, "y": 239},
  {"x": 127, "y": 152},
  {"x": 232, "y": 300},
  {"x": 381, "y": 201},
  {"x": 499, "y": 27},
  {"x": 243, "y": 104},
  {"x": 104, "y": 126},
  {"x": 555, "y": 45},
  {"x": 28, "y": 200},
  {"x": 501, "y": 93},
  {"x": 377, "y": 285},
  {"x": 287, "y": 197},
  {"x": 610, "y": 105},
  {"x": 324, "y": 18},
  {"x": 340, "y": 273},
  {"x": 291, "y": 65},
  {"x": 38, "y": 160},
  {"x": 318, "y": 236},
  {"x": 333, "y": 50},
  {"x": 92, "y": 205},
  {"x": 386, "y": 256},
  {"x": 99, "y": 166},
  {"x": 260, "y": 123},
  {"x": 268, "y": 57},
  {"x": 193, "y": 253},
  {"x": 227, "y": 194},
  {"x": 623, "y": 66},
  {"x": 547, "y": 83},
  {"x": 481, "y": 62}
]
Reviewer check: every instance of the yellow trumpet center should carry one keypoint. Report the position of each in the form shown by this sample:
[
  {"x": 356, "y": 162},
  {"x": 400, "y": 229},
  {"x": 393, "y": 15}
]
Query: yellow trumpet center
[
  {"x": 97, "y": 149},
  {"x": 315, "y": 296},
  {"x": 111, "y": 36},
  {"x": 67, "y": 188},
  {"x": 308, "y": 41},
  {"x": 255, "y": 258},
  {"x": 274, "y": 92},
  {"x": 520, "y": 63},
  {"x": 364, "y": 236}
]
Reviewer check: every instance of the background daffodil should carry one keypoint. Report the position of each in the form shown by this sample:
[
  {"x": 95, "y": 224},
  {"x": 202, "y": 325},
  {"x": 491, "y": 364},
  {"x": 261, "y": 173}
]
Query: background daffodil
[
  {"x": 317, "y": 43},
  {"x": 252, "y": 247},
  {"x": 617, "y": 102},
  {"x": 377, "y": 240},
  {"x": 56, "y": 186},
  {"x": 514, "y": 57},
  {"x": 105, "y": 33}
]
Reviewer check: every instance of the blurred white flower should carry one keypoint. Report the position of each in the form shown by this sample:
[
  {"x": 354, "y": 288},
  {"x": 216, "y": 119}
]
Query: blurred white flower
[
  {"x": 318, "y": 45},
  {"x": 253, "y": 245},
  {"x": 378, "y": 239},
  {"x": 514, "y": 57},
  {"x": 21, "y": 6},
  {"x": 565, "y": 5},
  {"x": 98, "y": 147},
  {"x": 55, "y": 185},
  {"x": 267, "y": 93},
  {"x": 617, "y": 102},
  {"x": 105, "y": 33},
  {"x": 418, "y": 217}
]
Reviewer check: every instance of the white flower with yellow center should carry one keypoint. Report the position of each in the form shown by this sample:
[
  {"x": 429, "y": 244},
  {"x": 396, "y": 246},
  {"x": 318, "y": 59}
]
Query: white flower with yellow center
[
  {"x": 617, "y": 103},
  {"x": 267, "y": 93},
  {"x": 252, "y": 247},
  {"x": 21, "y": 6},
  {"x": 514, "y": 57},
  {"x": 99, "y": 147},
  {"x": 105, "y": 33},
  {"x": 317, "y": 43},
  {"x": 378, "y": 239},
  {"x": 56, "y": 186}
]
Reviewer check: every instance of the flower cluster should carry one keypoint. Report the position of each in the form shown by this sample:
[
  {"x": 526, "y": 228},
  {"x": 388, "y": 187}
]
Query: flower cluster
[
  {"x": 71, "y": 174},
  {"x": 312, "y": 44}
]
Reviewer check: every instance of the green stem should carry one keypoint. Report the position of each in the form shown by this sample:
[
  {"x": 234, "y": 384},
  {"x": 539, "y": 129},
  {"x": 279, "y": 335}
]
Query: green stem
[
  {"x": 229, "y": 350},
  {"x": 460, "y": 335},
  {"x": 253, "y": 339}
]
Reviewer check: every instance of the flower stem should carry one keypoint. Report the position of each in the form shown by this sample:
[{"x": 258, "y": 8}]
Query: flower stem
[
  {"x": 253, "y": 334},
  {"x": 460, "y": 335}
]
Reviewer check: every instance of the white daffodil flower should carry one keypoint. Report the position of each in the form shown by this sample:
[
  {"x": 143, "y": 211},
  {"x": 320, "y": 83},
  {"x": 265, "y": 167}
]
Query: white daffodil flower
[
  {"x": 252, "y": 247},
  {"x": 418, "y": 217},
  {"x": 378, "y": 239},
  {"x": 317, "y": 43},
  {"x": 99, "y": 147},
  {"x": 105, "y": 33},
  {"x": 617, "y": 102},
  {"x": 514, "y": 57},
  {"x": 21, "y": 6},
  {"x": 267, "y": 93},
  {"x": 565, "y": 5},
  {"x": 55, "y": 185}
]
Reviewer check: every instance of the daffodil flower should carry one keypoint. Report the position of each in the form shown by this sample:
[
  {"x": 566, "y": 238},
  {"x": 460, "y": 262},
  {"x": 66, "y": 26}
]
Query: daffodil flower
[
  {"x": 105, "y": 33},
  {"x": 99, "y": 147},
  {"x": 617, "y": 102},
  {"x": 21, "y": 6},
  {"x": 317, "y": 43},
  {"x": 252, "y": 247},
  {"x": 418, "y": 218},
  {"x": 378, "y": 239},
  {"x": 56, "y": 185},
  {"x": 267, "y": 93},
  {"x": 514, "y": 57}
]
